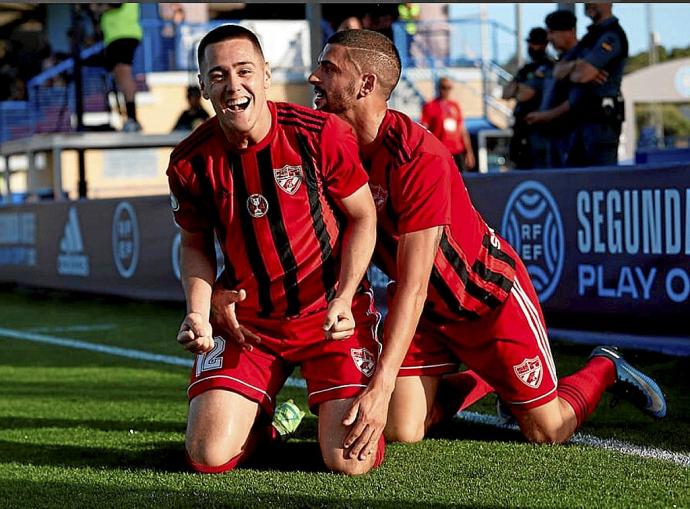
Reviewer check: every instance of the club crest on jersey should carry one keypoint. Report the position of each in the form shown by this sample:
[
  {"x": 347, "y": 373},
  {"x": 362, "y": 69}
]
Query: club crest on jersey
[
  {"x": 364, "y": 360},
  {"x": 289, "y": 178},
  {"x": 380, "y": 195},
  {"x": 530, "y": 372},
  {"x": 257, "y": 205}
]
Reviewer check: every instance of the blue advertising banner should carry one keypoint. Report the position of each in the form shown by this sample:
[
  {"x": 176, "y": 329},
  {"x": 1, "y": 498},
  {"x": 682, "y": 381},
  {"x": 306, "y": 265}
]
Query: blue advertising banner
[{"x": 607, "y": 242}]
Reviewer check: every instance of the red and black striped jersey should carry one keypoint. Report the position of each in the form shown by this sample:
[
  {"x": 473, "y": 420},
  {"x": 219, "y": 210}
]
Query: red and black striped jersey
[
  {"x": 273, "y": 205},
  {"x": 416, "y": 185}
]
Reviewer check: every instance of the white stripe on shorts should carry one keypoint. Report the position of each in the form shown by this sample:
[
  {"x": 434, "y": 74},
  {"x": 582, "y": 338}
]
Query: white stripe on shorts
[
  {"x": 334, "y": 388},
  {"x": 540, "y": 327},
  {"x": 230, "y": 378},
  {"x": 537, "y": 336}
]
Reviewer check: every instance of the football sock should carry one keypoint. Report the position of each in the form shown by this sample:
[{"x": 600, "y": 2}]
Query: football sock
[{"x": 583, "y": 389}]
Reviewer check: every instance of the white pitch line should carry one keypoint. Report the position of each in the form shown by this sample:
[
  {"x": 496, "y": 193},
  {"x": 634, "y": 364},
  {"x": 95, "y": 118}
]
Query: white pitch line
[
  {"x": 579, "y": 438},
  {"x": 588, "y": 440},
  {"x": 74, "y": 328}
]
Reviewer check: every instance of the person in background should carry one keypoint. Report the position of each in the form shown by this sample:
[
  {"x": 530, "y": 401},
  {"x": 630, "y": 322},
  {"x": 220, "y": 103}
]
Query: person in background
[
  {"x": 122, "y": 33},
  {"x": 597, "y": 74},
  {"x": 555, "y": 117},
  {"x": 193, "y": 116},
  {"x": 443, "y": 117},
  {"x": 525, "y": 88}
]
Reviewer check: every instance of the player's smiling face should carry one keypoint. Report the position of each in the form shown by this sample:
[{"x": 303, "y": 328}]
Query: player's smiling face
[
  {"x": 235, "y": 78},
  {"x": 334, "y": 80}
]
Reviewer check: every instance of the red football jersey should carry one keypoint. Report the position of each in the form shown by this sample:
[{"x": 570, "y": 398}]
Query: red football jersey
[
  {"x": 272, "y": 205},
  {"x": 443, "y": 117},
  {"x": 416, "y": 185}
]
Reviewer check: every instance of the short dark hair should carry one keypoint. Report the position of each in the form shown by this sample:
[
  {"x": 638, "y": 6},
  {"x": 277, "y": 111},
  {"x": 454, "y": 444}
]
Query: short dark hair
[
  {"x": 374, "y": 53},
  {"x": 193, "y": 91},
  {"x": 560, "y": 20},
  {"x": 225, "y": 32}
]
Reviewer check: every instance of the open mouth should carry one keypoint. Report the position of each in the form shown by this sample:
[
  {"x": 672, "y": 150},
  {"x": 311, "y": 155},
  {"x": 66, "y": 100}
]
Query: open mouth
[
  {"x": 319, "y": 96},
  {"x": 238, "y": 104}
]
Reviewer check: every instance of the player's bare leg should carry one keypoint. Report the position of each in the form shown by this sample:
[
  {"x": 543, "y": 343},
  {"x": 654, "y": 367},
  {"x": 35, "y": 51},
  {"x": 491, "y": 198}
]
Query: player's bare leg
[
  {"x": 218, "y": 428},
  {"x": 554, "y": 422},
  {"x": 332, "y": 434},
  {"x": 411, "y": 409}
]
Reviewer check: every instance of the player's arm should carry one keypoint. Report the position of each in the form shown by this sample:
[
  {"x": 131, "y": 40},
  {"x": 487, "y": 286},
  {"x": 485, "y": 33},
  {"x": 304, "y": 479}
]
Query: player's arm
[
  {"x": 359, "y": 238},
  {"x": 415, "y": 260},
  {"x": 590, "y": 68},
  {"x": 197, "y": 272},
  {"x": 469, "y": 151}
]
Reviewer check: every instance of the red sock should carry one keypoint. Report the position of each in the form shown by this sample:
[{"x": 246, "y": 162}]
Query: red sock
[
  {"x": 380, "y": 452},
  {"x": 258, "y": 437},
  {"x": 583, "y": 389},
  {"x": 463, "y": 389}
]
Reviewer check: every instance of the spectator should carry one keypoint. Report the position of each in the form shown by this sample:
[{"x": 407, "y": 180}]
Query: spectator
[
  {"x": 526, "y": 89},
  {"x": 122, "y": 33},
  {"x": 554, "y": 116},
  {"x": 443, "y": 117},
  {"x": 350, "y": 23},
  {"x": 195, "y": 115},
  {"x": 408, "y": 14}
]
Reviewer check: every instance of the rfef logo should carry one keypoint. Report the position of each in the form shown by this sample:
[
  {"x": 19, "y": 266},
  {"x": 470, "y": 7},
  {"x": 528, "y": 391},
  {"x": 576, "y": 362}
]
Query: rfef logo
[
  {"x": 71, "y": 261},
  {"x": 532, "y": 225},
  {"x": 125, "y": 236}
]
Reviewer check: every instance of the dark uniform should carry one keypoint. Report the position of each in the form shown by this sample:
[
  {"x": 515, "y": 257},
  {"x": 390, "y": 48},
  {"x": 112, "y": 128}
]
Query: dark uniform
[
  {"x": 521, "y": 152},
  {"x": 599, "y": 108}
]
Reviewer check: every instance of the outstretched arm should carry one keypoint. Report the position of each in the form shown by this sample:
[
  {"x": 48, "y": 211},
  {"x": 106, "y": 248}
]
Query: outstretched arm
[
  {"x": 369, "y": 412},
  {"x": 198, "y": 271}
]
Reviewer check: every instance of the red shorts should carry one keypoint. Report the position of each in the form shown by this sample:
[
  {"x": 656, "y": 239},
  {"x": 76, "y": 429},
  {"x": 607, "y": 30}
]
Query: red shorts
[
  {"x": 332, "y": 369},
  {"x": 508, "y": 348}
]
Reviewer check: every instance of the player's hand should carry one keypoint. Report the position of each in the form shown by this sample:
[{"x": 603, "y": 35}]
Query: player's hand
[
  {"x": 224, "y": 317},
  {"x": 537, "y": 117},
  {"x": 339, "y": 322},
  {"x": 367, "y": 417},
  {"x": 195, "y": 334}
]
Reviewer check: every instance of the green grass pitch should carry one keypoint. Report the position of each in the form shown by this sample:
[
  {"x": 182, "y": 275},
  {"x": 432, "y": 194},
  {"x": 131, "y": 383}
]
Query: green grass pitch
[{"x": 86, "y": 429}]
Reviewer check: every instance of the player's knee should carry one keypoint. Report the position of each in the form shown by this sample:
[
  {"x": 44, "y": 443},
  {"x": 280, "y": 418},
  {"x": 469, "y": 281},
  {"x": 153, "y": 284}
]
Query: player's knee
[
  {"x": 206, "y": 457},
  {"x": 541, "y": 434},
  {"x": 405, "y": 432},
  {"x": 338, "y": 464}
]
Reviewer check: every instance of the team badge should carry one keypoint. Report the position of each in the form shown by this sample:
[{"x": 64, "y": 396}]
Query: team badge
[
  {"x": 364, "y": 360},
  {"x": 174, "y": 204},
  {"x": 257, "y": 205},
  {"x": 380, "y": 195},
  {"x": 529, "y": 372},
  {"x": 289, "y": 178}
]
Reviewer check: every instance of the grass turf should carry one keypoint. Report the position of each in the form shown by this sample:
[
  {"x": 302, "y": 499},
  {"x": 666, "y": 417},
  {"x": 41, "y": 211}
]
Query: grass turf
[{"x": 80, "y": 428}]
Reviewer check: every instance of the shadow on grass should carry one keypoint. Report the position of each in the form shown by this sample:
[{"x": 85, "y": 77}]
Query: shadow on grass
[
  {"x": 13, "y": 423},
  {"x": 86, "y": 494}
]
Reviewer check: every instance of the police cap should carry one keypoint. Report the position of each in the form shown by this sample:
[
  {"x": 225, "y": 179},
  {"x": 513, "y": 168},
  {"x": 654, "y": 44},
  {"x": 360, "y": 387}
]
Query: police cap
[{"x": 537, "y": 36}]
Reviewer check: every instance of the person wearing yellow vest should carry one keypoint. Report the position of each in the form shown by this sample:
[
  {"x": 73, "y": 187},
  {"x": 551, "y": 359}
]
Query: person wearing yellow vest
[
  {"x": 408, "y": 13},
  {"x": 122, "y": 33}
]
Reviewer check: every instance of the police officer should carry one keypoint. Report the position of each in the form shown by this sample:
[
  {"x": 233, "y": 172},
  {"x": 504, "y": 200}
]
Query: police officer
[
  {"x": 527, "y": 145},
  {"x": 598, "y": 73},
  {"x": 554, "y": 118}
]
